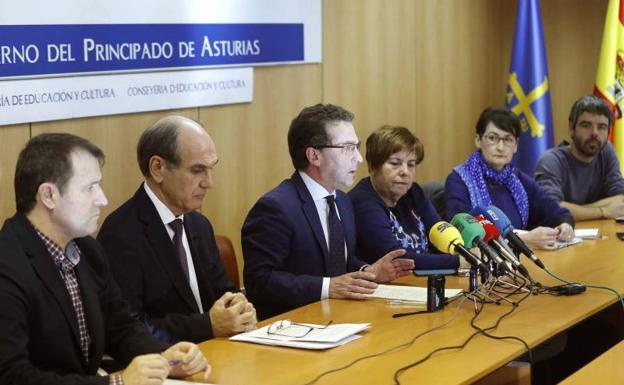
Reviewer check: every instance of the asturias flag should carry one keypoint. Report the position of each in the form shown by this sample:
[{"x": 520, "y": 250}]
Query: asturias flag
[
  {"x": 527, "y": 88},
  {"x": 610, "y": 74}
]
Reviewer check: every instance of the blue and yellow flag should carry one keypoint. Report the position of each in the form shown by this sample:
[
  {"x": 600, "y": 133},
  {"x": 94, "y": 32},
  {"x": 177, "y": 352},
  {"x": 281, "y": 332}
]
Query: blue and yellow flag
[{"x": 528, "y": 93}]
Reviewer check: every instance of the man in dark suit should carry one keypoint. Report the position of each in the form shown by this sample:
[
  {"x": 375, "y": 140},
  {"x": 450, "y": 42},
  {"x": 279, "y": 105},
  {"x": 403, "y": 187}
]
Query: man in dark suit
[
  {"x": 172, "y": 274},
  {"x": 299, "y": 239},
  {"x": 60, "y": 309}
]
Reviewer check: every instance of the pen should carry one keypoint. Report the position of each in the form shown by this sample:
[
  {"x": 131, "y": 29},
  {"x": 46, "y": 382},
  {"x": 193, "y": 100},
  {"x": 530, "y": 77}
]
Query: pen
[{"x": 173, "y": 363}]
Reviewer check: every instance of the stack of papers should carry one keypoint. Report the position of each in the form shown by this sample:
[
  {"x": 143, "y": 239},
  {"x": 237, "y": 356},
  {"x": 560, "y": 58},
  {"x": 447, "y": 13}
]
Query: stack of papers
[
  {"x": 408, "y": 293},
  {"x": 587, "y": 233},
  {"x": 319, "y": 337}
]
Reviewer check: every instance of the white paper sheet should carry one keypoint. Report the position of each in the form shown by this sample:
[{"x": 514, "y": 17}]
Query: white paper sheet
[{"x": 408, "y": 293}]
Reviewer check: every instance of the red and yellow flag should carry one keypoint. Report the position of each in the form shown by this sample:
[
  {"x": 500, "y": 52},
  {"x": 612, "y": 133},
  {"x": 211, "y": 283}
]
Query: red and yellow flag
[{"x": 610, "y": 74}]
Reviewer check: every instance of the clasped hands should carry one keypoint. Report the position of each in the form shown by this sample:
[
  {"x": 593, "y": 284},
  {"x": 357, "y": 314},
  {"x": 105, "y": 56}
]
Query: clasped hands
[{"x": 232, "y": 314}]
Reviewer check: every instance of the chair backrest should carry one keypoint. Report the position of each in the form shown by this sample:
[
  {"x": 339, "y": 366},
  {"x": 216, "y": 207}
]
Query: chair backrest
[
  {"x": 435, "y": 192},
  {"x": 228, "y": 256}
]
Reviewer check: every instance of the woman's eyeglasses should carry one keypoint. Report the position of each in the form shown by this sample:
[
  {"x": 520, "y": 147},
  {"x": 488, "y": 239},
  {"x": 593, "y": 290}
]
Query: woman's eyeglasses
[{"x": 492, "y": 139}]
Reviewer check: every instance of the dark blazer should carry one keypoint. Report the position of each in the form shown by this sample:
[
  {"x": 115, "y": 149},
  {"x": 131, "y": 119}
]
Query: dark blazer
[
  {"x": 285, "y": 250},
  {"x": 149, "y": 274},
  {"x": 39, "y": 337}
]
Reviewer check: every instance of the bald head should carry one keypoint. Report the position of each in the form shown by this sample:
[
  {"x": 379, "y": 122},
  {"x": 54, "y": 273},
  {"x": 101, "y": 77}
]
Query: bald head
[
  {"x": 166, "y": 139},
  {"x": 176, "y": 156}
]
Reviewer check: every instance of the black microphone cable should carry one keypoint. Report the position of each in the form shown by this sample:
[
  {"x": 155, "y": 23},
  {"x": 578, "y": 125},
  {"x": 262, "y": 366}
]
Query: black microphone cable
[
  {"x": 396, "y": 347},
  {"x": 402, "y": 370}
]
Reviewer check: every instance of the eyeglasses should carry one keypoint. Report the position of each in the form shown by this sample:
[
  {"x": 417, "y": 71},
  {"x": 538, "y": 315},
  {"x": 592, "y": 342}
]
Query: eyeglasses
[
  {"x": 346, "y": 149},
  {"x": 492, "y": 139},
  {"x": 287, "y": 328}
]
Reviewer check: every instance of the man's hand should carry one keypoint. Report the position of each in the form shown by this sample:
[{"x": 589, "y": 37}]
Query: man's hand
[
  {"x": 352, "y": 285},
  {"x": 540, "y": 238},
  {"x": 185, "y": 359},
  {"x": 614, "y": 208},
  {"x": 390, "y": 266},
  {"x": 566, "y": 232},
  {"x": 232, "y": 314},
  {"x": 149, "y": 369}
]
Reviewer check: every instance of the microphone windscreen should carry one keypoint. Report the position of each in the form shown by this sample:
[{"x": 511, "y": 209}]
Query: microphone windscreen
[
  {"x": 497, "y": 217},
  {"x": 491, "y": 232},
  {"x": 444, "y": 237},
  {"x": 469, "y": 228}
]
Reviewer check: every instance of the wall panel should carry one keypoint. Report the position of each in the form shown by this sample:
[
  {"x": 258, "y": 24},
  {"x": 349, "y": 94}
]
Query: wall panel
[
  {"x": 369, "y": 62},
  {"x": 460, "y": 71},
  {"x": 12, "y": 139}
]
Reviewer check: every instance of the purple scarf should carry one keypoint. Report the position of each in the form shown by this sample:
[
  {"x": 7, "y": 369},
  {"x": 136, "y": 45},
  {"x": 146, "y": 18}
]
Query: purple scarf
[{"x": 474, "y": 172}]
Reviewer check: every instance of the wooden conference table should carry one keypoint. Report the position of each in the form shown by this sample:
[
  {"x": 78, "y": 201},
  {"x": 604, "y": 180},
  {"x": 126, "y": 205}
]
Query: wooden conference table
[{"x": 535, "y": 320}]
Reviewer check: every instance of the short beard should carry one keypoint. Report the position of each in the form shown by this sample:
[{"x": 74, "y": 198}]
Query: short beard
[{"x": 580, "y": 146}]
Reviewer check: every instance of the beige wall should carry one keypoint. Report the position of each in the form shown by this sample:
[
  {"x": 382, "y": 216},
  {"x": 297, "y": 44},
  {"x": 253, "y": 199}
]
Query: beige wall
[{"x": 431, "y": 65}]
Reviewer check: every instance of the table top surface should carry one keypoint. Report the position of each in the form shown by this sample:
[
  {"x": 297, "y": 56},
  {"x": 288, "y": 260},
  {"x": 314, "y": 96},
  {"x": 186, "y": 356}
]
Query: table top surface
[{"x": 536, "y": 319}]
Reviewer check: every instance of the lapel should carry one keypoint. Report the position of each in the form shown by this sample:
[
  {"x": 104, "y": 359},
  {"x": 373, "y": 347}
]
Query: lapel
[
  {"x": 48, "y": 272},
  {"x": 311, "y": 214},
  {"x": 161, "y": 245}
]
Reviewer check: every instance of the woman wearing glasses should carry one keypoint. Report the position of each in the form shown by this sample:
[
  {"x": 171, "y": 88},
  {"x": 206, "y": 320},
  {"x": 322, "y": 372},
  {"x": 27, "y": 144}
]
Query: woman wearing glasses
[
  {"x": 391, "y": 211},
  {"x": 487, "y": 177}
]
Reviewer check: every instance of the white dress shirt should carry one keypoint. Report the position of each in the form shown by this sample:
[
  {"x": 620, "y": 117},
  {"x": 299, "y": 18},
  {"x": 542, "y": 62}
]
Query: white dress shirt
[
  {"x": 319, "y": 193},
  {"x": 166, "y": 216}
]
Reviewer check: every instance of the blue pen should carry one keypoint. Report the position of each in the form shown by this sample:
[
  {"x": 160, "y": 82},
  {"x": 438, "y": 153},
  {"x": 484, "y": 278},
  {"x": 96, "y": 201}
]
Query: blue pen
[{"x": 173, "y": 363}]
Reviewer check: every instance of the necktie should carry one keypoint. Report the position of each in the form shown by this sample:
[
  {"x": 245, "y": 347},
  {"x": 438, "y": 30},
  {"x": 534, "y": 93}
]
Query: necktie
[
  {"x": 337, "y": 264},
  {"x": 178, "y": 246}
]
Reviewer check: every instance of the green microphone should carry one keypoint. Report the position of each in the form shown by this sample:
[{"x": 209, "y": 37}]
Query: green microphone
[{"x": 472, "y": 233}]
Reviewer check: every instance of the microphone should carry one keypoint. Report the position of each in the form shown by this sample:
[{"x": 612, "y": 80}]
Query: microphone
[
  {"x": 445, "y": 237},
  {"x": 496, "y": 216},
  {"x": 473, "y": 234},
  {"x": 491, "y": 237}
]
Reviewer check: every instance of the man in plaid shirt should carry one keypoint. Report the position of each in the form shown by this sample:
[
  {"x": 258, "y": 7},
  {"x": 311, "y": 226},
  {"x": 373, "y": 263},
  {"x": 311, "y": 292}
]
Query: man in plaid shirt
[{"x": 60, "y": 309}]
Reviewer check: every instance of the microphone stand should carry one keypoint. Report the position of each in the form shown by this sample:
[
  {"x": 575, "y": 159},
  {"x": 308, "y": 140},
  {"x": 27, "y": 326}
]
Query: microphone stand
[{"x": 485, "y": 291}]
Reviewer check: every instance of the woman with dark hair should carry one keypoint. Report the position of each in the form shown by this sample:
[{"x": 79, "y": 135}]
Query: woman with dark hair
[
  {"x": 487, "y": 177},
  {"x": 391, "y": 210}
]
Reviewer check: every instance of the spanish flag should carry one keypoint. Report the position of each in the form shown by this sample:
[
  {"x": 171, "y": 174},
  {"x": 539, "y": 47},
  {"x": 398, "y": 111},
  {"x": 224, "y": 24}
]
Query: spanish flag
[{"x": 610, "y": 74}]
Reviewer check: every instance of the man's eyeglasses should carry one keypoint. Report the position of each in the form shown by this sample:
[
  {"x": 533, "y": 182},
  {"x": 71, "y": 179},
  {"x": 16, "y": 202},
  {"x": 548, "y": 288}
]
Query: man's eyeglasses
[
  {"x": 492, "y": 139},
  {"x": 346, "y": 149},
  {"x": 287, "y": 328}
]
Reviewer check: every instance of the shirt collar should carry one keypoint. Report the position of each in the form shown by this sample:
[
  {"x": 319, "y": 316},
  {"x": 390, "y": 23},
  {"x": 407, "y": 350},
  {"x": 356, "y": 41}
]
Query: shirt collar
[
  {"x": 166, "y": 215},
  {"x": 72, "y": 252},
  {"x": 317, "y": 191}
]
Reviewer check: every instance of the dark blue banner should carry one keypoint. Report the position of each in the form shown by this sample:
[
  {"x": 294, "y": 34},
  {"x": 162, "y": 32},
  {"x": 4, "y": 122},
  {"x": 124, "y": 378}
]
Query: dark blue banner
[
  {"x": 528, "y": 91},
  {"x": 28, "y": 50}
]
